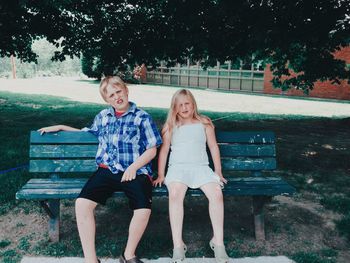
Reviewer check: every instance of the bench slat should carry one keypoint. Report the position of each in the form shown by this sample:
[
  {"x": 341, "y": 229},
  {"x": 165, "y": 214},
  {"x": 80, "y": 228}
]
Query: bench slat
[
  {"x": 71, "y": 165},
  {"x": 244, "y": 164},
  {"x": 62, "y": 151},
  {"x": 62, "y": 166},
  {"x": 89, "y": 151},
  {"x": 35, "y": 181},
  {"x": 250, "y": 150},
  {"x": 259, "y": 137},
  {"x": 67, "y": 137},
  {"x": 80, "y": 183},
  {"x": 70, "y": 188}
]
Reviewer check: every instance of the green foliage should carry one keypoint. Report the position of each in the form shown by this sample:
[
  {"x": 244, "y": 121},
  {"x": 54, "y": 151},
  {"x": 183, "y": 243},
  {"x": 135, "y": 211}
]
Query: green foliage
[
  {"x": 24, "y": 244},
  {"x": 90, "y": 66},
  {"x": 299, "y": 35},
  {"x": 10, "y": 256},
  {"x": 4, "y": 243},
  {"x": 44, "y": 66}
]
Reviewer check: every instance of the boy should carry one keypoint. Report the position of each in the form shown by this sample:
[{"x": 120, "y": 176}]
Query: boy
[{"x": 128, "y": 139}]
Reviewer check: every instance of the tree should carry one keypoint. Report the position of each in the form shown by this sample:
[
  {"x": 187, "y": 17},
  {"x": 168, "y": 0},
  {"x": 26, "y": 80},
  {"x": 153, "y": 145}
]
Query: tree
[{"x": 298, "y": 35}]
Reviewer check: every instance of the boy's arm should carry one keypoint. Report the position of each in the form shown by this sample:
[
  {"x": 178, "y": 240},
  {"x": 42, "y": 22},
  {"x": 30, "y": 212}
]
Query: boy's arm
[
  {"x": 57, "y": 128},
  {"x": 142, "y": 160}
]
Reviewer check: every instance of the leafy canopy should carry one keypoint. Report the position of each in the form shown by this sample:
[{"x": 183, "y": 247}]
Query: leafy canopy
[{"x": 299, "y": 35}]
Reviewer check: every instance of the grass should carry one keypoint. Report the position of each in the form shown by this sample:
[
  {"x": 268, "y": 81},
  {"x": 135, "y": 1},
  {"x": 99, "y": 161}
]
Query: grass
[{"x": 312, "y": 155}]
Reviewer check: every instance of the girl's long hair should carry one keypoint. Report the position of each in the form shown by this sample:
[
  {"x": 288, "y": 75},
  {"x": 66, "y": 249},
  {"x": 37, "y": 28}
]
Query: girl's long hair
[{"x": 173, "y": 121}]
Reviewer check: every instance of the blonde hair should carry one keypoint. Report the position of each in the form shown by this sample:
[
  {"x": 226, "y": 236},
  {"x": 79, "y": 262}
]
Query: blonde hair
[
  {"x": 173, "y": 119},
  {"x": 110, "y": 81}
]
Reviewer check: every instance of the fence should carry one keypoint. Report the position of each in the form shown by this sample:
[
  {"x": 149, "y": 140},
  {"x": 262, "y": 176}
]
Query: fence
[{"x": 221, "y": 77}]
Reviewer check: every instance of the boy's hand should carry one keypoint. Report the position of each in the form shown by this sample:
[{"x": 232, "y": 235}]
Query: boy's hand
[
  {"x": 129, "y": 174},
  {"x": 158, "y": 181},
  {"x": 54, "y": 128}
]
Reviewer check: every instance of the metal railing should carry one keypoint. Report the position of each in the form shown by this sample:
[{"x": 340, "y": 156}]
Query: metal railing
[{"x": 218, "y": 77}]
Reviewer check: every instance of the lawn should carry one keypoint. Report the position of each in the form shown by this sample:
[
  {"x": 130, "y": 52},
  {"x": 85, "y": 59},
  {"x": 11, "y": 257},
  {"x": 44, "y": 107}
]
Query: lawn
[{"x": 313, "y": 226}]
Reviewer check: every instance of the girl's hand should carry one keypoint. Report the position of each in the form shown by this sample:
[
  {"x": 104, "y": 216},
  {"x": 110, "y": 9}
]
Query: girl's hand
[
  {"x": 222, "y": 178},
  {"x": 158, "y": 181}
]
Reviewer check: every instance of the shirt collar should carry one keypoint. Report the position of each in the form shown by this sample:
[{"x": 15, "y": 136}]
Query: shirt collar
[{"x": 131, "y": 109}]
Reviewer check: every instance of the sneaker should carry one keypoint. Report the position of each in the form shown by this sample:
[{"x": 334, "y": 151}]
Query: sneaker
[{"x": 132, "y": 260}]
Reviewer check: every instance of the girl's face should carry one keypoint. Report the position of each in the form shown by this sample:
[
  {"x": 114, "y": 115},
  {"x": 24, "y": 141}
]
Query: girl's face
[{"x": 184, "y": 107}]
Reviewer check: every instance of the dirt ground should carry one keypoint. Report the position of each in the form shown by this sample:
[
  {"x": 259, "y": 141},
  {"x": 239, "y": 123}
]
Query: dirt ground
[{"x": 292, "y": 225}]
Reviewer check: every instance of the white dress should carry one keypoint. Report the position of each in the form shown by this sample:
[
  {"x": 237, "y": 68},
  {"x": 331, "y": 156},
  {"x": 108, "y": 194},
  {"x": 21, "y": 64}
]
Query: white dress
[{"x": 188, "y": 161}]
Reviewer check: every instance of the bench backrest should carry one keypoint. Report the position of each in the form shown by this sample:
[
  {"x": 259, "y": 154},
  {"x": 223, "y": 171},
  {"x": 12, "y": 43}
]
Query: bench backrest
[{"x": 65, "y": 152}]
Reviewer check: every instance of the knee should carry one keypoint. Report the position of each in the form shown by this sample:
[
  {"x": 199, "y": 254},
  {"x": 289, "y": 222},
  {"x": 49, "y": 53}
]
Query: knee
[
  {"x": 84, "y": 206},
  {"x": 142, "y": 214},
  {"x": 175, "y": 196},
  {"x": 216, "y": 196}
]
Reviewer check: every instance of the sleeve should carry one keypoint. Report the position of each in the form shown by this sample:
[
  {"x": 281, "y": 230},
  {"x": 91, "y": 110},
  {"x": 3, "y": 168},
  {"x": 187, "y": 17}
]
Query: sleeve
[
  {"x": 149, "y": 133},
  {"x": 95, "y": 126}
]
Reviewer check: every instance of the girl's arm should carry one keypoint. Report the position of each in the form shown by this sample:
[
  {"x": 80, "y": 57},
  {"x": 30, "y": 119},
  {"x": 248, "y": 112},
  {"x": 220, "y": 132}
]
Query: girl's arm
[
  {"x": 57, "y": 128},
  {"x": 214, "y": 151},
  {"x": 162, "y": 158}
]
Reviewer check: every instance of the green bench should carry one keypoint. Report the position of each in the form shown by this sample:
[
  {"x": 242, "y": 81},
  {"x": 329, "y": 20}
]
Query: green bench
[{"x": 74, "y": 152}]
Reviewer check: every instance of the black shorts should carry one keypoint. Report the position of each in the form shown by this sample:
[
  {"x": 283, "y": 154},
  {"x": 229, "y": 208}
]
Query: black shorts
[{"x": 103, "y": 183}]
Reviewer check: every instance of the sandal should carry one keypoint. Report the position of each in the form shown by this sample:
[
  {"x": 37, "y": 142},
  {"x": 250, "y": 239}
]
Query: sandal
[
  {"x": 179, "y": 254},
  {"x": 219, "y": 252},
  {"x": 132, "y": 260}
]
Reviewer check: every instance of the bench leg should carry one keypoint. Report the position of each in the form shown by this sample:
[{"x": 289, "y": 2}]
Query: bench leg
[
  {"x": 258, "y": 212},
  {"x": 52, "y": 208}
]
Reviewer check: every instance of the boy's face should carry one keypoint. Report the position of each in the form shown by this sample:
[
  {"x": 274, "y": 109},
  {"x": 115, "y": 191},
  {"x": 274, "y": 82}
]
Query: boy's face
[
  {"x": 117, "y": 97},
  {"x": 185, "y": 108}
]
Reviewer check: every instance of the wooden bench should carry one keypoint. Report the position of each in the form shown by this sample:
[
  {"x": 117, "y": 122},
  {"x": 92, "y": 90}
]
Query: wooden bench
[{"x": 74, "y": 152}]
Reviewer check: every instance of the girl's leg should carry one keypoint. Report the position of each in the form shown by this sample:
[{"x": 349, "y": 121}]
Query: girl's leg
[
  {"x": 177, "y": 192},
  {"x": 216, "y": 211}
]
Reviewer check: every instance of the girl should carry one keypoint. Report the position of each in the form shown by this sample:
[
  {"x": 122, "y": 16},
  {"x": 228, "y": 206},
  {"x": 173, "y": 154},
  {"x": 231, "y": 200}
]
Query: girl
[{"x": 186, "y": 132}]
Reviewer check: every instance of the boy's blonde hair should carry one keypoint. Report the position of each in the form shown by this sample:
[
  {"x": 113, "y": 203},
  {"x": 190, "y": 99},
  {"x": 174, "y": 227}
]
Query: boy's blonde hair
[
  {"x": 112, "y": 81},
  {"x": 173, "y": 119}
]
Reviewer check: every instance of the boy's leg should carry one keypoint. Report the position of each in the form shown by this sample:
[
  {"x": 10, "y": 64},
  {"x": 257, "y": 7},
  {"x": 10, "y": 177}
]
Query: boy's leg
[
  {"x": 84, "y": 210},
  {"x": 216, "y": 210},
  {"x": 139, "y": 192},
  {"x": 97, "y": 190},
  {"x": 177, "y": 192},
  {"x": 137, "y": 227}
]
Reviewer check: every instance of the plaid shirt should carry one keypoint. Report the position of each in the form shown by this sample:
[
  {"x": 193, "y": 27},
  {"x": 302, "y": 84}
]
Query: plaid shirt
[{"x": 123, "y": 139}]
